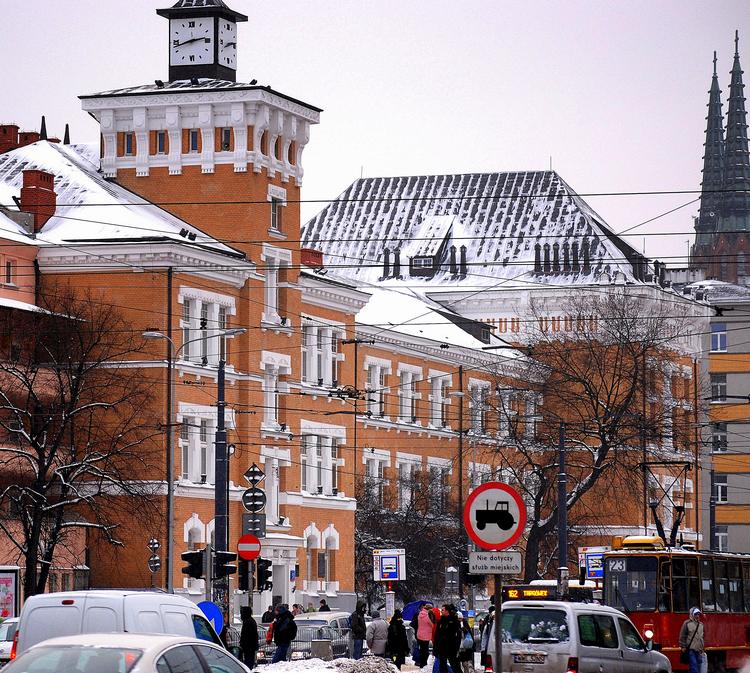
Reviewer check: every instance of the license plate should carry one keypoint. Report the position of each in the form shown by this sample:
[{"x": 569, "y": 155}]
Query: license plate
[{"x": 529, "y": 658}]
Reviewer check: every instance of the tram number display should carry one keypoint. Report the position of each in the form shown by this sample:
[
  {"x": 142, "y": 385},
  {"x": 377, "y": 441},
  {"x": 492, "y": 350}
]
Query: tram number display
[{"x": 616, "y": 565}]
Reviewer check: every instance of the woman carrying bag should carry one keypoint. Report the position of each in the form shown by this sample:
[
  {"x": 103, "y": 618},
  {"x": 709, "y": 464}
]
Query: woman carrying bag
[{"x": 466, "y": 652}]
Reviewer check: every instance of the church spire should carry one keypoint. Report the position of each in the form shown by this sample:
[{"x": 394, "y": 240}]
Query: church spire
[
  {"x": 713, "y": 164},
  {"x": 736, "y": 201}
]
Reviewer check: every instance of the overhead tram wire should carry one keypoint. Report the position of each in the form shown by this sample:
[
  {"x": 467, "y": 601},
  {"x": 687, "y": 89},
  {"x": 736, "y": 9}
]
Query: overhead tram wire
[{"x": 409, "y": 199}]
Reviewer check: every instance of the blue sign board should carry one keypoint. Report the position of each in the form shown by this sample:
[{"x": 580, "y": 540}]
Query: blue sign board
[
  {"x": 213, "y": 614},
  {"x": 389, "y": 567},
  {"x": 595, "y": 566}
]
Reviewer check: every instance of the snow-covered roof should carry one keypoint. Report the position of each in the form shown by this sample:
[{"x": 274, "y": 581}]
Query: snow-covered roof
[
  {"x": 89, "y": 207},
  {"x": 189, "y": 86},
  {"x": 10, "y": 230},
  {"x": 499, "y": 217},
  {"x": 402, "y": 312},
  {"x": 718, "y": 290}
]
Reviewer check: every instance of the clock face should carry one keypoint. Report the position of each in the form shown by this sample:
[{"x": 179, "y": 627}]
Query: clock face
[
  {"x": 228, "y": 43},
  {"x": 191, "y": 41}
]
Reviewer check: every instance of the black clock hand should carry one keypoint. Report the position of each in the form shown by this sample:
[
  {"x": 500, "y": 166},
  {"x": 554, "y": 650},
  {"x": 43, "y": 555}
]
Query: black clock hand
[
  {"x": 230, "y": 44},
  {"x": 195, "y": 39}
]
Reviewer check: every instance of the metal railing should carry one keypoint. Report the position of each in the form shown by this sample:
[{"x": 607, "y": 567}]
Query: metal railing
[{"x": 302, "y": 646}]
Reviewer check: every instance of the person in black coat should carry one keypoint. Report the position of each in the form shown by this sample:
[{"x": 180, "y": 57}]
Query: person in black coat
[
  {"x": 447, "y": 639},
  {"x": 284, "y": 632},
  {"x": 359, "y": 629},
  {"x": 248, "y": 637},
  {"x": 397, "y": 644}
]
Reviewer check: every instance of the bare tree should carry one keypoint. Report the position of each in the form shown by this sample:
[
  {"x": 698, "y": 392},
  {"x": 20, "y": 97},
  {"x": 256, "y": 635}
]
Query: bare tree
[
  {"x": 415, "y": 514},
  {"x": 593, "y": 379},
  {"x": 76, "y": 443}
]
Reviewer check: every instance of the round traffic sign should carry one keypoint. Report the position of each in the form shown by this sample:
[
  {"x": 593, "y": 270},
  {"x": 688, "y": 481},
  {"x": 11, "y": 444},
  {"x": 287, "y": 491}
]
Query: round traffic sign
[
  {"x": 494, "y": 515},
  {"x": 213, "y": 614},
  {"x": 248, "y": 547},
  {"x": 254, "y": 499}
]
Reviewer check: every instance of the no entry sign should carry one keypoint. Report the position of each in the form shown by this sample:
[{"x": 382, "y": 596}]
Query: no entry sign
[
  {"x": 494, "y": 515},
  {"x": 248, "y": 547}
]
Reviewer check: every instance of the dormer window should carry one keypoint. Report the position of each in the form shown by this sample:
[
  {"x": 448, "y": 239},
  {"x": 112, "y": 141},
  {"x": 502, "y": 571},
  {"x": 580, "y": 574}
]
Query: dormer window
[{"x": 423, "y": 265}]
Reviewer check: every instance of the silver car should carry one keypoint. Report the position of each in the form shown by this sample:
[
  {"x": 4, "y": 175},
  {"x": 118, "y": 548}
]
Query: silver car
[
  {"x": 557, "y": 636},
  {"x": 125, "y": 653},
  {"x": 7, "y": 633}
]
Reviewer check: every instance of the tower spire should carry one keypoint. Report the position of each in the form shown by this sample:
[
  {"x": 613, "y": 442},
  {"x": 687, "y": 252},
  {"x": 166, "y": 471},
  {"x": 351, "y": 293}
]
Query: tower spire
[
  {"x": 713, "y": 166},
  {"x": 736, "y": 201}
]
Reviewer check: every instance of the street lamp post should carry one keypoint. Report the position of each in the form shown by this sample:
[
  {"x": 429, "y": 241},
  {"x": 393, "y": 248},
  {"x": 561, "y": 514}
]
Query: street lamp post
[{"x": 173, "y": 353}]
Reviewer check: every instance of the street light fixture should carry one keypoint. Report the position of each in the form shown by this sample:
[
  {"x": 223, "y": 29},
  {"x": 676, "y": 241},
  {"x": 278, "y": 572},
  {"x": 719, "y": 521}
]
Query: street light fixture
[{"x": 173, "y": 353}]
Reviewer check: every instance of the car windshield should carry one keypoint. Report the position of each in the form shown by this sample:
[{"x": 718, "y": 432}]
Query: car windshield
[
  {"x": 7, "y": 630},
  {"x": 75, "y": 659},
  {"x": 537, "y": 625}
]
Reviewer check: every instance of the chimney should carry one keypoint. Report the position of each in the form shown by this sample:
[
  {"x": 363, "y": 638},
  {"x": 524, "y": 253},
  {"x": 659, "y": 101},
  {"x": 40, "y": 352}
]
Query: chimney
[
  {"x": 66, "y": 137},
  {"x": 462, "y": 262},
  {"x": 8, "y": 137},
  {"x": 386, "y": 262},
  {"x": 38, "y": 196},
  {"x": 27, "y": 138},
  {"x": 453, "y": 265},
  {"x": 311, "y": 257},
  {"x": 43, "y": 129}
]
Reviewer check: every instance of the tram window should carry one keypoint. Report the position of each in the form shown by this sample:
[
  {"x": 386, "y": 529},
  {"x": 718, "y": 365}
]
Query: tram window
[
  {"x": 735, "y": 587},
  {"x": 631, "y": 583},
  {"x": 665, "y": 585},
  {"x": 684, "y": 584},
  {"x": 721, "y": 584},
  {"x": 707, "y": 585},
  {"x": 746, "y": 583}
]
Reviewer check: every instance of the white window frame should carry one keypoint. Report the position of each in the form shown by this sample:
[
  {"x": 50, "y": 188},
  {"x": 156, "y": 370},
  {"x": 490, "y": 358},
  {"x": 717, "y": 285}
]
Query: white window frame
[
  {"x": 274, "y": 260},
  {"x": 718, "y": 338},
  {"x": 440, "y": 385},
  {"x": 376, "y": 370},
  {"x": 409, "y": 376},
  {"x": 718, "y": 388},
  {"x": 719, "y": 438},
  {"x": 478, "y": 395},
  {"x": 161, "y": 142},
  {"x": 721, "y": 489},
  {"x": 411, "y": 464},
  {"x": 193, "y": 141},
  {"x": 196, "y": 304}
]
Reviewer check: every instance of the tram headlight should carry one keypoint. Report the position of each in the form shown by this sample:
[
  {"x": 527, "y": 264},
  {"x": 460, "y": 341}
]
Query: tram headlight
[{"x": 649, "y": 634}]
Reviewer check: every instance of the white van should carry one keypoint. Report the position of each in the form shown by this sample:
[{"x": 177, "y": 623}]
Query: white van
[
  {"x": 69, "y": 613},
  {"x": 563, "y": 637}
]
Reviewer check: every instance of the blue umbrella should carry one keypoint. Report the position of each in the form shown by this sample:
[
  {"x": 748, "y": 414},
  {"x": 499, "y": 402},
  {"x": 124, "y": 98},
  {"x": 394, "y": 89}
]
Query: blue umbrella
[{"x": 411, "y": 609}]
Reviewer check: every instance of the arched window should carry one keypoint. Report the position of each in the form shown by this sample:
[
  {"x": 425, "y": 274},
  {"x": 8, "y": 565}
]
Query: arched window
[
  {"x": 310, "y": 559},
  {"x": 566, "y": 256},
  {"x": 537, "y": 258},
  {"x": 547, "y": 264},
  {"x": 576, "y": 263},
  {"x": 194, "y": 539},
  {"x": 330, "y": 575}
]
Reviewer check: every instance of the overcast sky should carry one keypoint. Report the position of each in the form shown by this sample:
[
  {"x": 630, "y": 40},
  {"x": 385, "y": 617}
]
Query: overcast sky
[{"x": 612, "y": 93}]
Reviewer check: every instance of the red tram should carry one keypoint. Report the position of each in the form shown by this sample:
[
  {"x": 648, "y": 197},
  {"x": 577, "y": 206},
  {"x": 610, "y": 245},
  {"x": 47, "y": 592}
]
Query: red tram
[{"x": 656, "y": 587}]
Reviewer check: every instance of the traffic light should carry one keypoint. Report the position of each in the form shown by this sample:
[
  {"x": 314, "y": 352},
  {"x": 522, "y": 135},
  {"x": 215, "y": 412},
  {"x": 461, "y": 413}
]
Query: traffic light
[
  {"x": 263, "y": 574},
  {"x": 224, "y": 563},
  {"x": 467, "y": 577},
  {"x": 244, "y": 576},
  {"x": 195, "y": 563}
]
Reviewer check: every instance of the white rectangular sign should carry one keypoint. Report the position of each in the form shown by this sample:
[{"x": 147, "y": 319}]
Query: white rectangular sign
[
  {"x": 495, "y": 562},
  {"x": 389, "y": 565}
]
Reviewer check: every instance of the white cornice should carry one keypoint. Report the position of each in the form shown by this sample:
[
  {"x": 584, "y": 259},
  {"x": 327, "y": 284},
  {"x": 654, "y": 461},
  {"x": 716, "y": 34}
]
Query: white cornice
[
  {"x": 331, "y": 295},
  {"x": 140, "y": 256},
  {"x": 217, "y": 96}
]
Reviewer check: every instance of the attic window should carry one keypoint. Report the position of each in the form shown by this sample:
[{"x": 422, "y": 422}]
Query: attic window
[
  {"x": 423, "y": 262},
  {"x": 485, "y": 338}
]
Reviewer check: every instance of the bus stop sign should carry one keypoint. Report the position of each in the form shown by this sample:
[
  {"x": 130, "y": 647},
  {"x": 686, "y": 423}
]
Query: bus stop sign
[{"x": 494, "y": 516}]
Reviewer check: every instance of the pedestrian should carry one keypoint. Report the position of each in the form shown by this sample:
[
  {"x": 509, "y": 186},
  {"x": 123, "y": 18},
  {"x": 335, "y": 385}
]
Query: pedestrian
[
  {"x": 484, "y": 640},
  {"x": 284, "y": 632},
  {"x": 296, "y": 609},
  {"x": 447, "y": 640},
  {"x": 377, "y": 635},
  {"x": 466, "y": 653},
  {"x": 267, "y": 616},
  {"x": 310, "y": 608},
  {"x": 248, "y": 637},
  {"x": 358, "y": 629},
  {"x": 423, "y": 632},
  {"x": 398, "y": 644},
  {"x": 692, "y": 643},
  {"x": 323, "y": 606}
]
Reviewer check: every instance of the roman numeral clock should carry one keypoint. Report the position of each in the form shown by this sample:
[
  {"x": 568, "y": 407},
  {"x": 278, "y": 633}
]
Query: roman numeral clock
[{"x": 202, "y": 39}]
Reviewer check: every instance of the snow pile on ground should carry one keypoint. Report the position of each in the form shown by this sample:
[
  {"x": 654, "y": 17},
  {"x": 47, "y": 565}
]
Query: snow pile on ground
[{"x": 365, "y": 665}]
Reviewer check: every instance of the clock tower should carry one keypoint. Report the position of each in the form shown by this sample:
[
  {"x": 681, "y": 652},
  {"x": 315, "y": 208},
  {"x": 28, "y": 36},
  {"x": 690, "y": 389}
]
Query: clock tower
[{"x": 202, "y": 40}]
